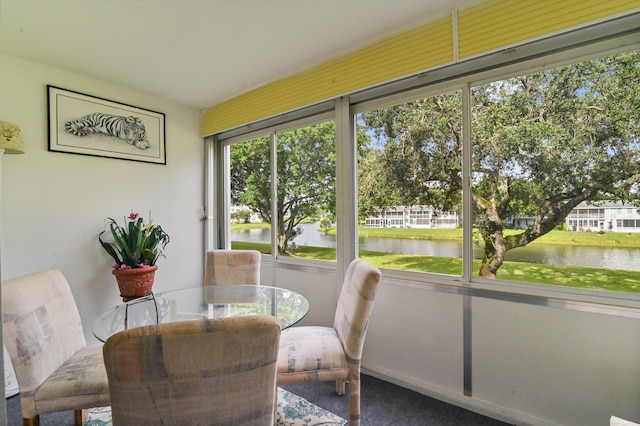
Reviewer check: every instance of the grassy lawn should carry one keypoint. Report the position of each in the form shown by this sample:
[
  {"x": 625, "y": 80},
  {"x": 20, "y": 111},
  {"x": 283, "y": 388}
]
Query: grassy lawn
[
  {"x": 248, "y": 226},
  {"x": 559, "y": 275},
  {"x": 608, "y": 239}
]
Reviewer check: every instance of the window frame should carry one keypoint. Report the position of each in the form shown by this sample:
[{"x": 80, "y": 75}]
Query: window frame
[
  {"x": 270, "y": 132},
  {"x": 602, "y": 39}
]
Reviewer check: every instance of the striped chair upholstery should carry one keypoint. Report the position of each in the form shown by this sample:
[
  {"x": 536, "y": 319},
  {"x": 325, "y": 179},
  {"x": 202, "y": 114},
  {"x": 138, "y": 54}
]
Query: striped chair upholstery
[
  {"x": 202, "y": 372},
  {"x": 314, "y": 353},
  {"x": 42, "y": 330},
  {"x": 224, "y": 267}
]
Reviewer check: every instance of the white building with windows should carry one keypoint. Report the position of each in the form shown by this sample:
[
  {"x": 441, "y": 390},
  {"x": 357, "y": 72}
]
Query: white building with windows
[
  {"x": 611, "y": 216},
  {"x": 413, "y": 217},
  {"x": 614, "y": 216},
  {"x": 236, "y": 208}
]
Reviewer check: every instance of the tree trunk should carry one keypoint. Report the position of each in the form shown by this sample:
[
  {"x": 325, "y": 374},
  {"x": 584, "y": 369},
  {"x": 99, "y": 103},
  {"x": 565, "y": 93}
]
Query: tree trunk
[
  {"x": 495, "y": 249},
  {"x": 282, "y": 242},
  {"x": 491, "y": 261}
]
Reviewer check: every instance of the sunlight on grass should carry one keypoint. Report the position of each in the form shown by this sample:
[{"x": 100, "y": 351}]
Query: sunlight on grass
[{"x": 616, "y": 280}]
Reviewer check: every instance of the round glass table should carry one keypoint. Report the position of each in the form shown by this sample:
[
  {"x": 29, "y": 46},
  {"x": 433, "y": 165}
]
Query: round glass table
[{"x": 215, "y": 301}]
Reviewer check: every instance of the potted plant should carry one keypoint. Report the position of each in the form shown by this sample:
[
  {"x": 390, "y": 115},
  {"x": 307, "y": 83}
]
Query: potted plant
[{"x": 135, "y": 249}]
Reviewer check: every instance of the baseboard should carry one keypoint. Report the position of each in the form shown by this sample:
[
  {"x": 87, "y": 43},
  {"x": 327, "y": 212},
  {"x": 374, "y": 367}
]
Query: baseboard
[{"x": 485, "y": 408}]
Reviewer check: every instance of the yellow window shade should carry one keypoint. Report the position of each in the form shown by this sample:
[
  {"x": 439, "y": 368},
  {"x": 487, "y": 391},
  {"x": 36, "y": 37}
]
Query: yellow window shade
[
  {"x": 498, "y": 23},
  {"x": 398, "y": 56},
  {"x": 481, "y": 28}
]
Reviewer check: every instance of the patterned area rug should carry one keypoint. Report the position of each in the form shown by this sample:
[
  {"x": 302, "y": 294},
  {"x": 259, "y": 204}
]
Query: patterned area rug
[{"x": 292, "y": 411}]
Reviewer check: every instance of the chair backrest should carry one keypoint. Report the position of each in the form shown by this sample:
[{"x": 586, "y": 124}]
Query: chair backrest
[
  {"x": 224, "y": 267},
  {"x": 213, "y": 372},
  {"x": 41, "y": 326},
  {"x": 354, "y": 306}
]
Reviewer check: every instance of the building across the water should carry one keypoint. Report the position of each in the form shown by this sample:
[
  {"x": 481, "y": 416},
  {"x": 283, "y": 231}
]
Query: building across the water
[
  {"x": 613, "y": 216},
  {"x": 413, "y": 217},
  {"x": 609, "y": 216},
  {"x": 252, "y": 216}
]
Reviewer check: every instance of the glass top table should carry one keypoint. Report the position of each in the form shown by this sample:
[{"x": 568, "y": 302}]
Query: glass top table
[{"x": 215, "y": 301}]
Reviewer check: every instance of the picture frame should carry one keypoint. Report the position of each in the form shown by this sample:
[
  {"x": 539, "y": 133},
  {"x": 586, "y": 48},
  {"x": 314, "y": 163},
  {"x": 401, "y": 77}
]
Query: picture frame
[{"x": 89, "y": 125}]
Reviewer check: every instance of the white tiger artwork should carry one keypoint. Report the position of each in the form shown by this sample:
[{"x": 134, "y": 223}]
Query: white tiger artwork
[{"x": 129, "y": 129}]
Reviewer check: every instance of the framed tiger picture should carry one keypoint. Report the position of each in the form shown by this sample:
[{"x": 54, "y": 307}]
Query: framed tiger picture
[{"x": 88, "y": 125}]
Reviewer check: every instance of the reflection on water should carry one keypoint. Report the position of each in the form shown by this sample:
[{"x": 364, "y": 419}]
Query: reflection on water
[
  {"x": 598, "y": 257},
  {"x": 425, "y": 247},
  {"x": 310, "y": 236}
]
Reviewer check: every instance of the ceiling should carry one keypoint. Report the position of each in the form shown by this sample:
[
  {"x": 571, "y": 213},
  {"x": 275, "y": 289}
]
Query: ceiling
[{"x": 201, "y": 52}]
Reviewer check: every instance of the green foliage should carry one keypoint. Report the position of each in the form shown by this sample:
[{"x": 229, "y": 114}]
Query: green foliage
[
  {"x": 541, "y": 144},
  {"x": 136, "y": 244},
  {"x": 241, "y": 216},
  {"x": 325, "y": 224},
  {"x": 305, "y": 181},
  {"x": 376, "y": 190},
  {"x": 420, "y": 161},
  {"x": 251, "y": 176}
]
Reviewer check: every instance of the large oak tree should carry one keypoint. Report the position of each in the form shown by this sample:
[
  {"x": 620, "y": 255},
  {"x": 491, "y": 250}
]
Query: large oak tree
[{"x": 541, "y": 144}]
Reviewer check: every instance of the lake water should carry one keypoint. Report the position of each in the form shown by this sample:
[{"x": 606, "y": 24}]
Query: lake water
[{"x": 599, "y": 257}]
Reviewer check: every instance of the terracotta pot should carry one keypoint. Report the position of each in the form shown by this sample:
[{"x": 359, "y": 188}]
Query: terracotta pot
[{"x": 134, "y": 283}]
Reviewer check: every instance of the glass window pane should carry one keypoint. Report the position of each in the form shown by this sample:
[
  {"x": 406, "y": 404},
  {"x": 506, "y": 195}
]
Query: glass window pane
[
  {"x": 306, "y": 188},
  {"x": 250, "y": 168},
  {"x": 409, "y": 185},
  {"x": 555, "y": 165}
]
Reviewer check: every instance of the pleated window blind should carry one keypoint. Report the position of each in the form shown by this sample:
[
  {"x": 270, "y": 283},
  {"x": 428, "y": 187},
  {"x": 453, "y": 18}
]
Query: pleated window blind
[{"x": 465, "y": 33}]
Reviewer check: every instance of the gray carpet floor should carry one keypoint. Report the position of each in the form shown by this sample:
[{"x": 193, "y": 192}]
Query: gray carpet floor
[
  {"x": 385, "y": 404},
  {"x": 382, "y": 404}
]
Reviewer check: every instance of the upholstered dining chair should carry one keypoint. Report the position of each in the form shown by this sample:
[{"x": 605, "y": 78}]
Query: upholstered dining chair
[
  {"x": 202, "y": 372},
  {"x": 42, "y": 330},
  {"x": 315, "y": 353},
  {"x": 224, "y": 267}
]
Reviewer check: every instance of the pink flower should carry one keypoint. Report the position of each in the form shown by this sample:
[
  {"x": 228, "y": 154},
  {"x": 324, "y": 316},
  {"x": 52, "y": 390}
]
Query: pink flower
[
  {"x": 121, "y": 267},
  {"x": 134, "y": 245}
]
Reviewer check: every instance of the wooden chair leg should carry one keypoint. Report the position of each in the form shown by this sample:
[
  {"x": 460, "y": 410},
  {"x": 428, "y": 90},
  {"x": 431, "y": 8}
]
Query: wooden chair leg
[
  {"x": 31, "y": 422},
  {"x": 340, "y": 387},
  {"x": 79, "y": 417}
]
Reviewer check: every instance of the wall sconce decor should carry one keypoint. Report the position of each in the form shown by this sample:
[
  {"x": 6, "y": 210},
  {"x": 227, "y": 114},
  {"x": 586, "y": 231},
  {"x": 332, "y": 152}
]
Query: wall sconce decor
[{"x": 10, "y": 138}]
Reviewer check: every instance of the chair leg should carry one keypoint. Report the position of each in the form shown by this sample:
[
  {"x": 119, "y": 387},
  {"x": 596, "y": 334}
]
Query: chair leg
[
  {"x": 354, "y": 401},
  {"x": 275, "y": 408},
  {"x": 35, "y": 421},
  {"x": 340, "y": 387},
  {"x": 78, "y": 417}
]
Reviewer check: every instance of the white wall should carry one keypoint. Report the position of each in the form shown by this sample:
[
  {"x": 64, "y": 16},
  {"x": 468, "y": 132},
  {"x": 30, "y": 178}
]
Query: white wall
[
  {"x": 55, "y": 204},
  {"x": 562, "y": 366},
  {"x": 531, "y": 365},
  {"x": 318, "y": 284}
]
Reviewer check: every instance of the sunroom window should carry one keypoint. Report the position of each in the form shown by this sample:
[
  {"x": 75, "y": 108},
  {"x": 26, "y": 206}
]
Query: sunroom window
[
  {"x": 556, "y": 161},
  {"x": 300, "y": 200},
  {"x": 250, "y": 195},
  {"x": 523, "y": 174},
  {"x": 555, "y": 164},
  {"x": 409, "y": 185}
]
